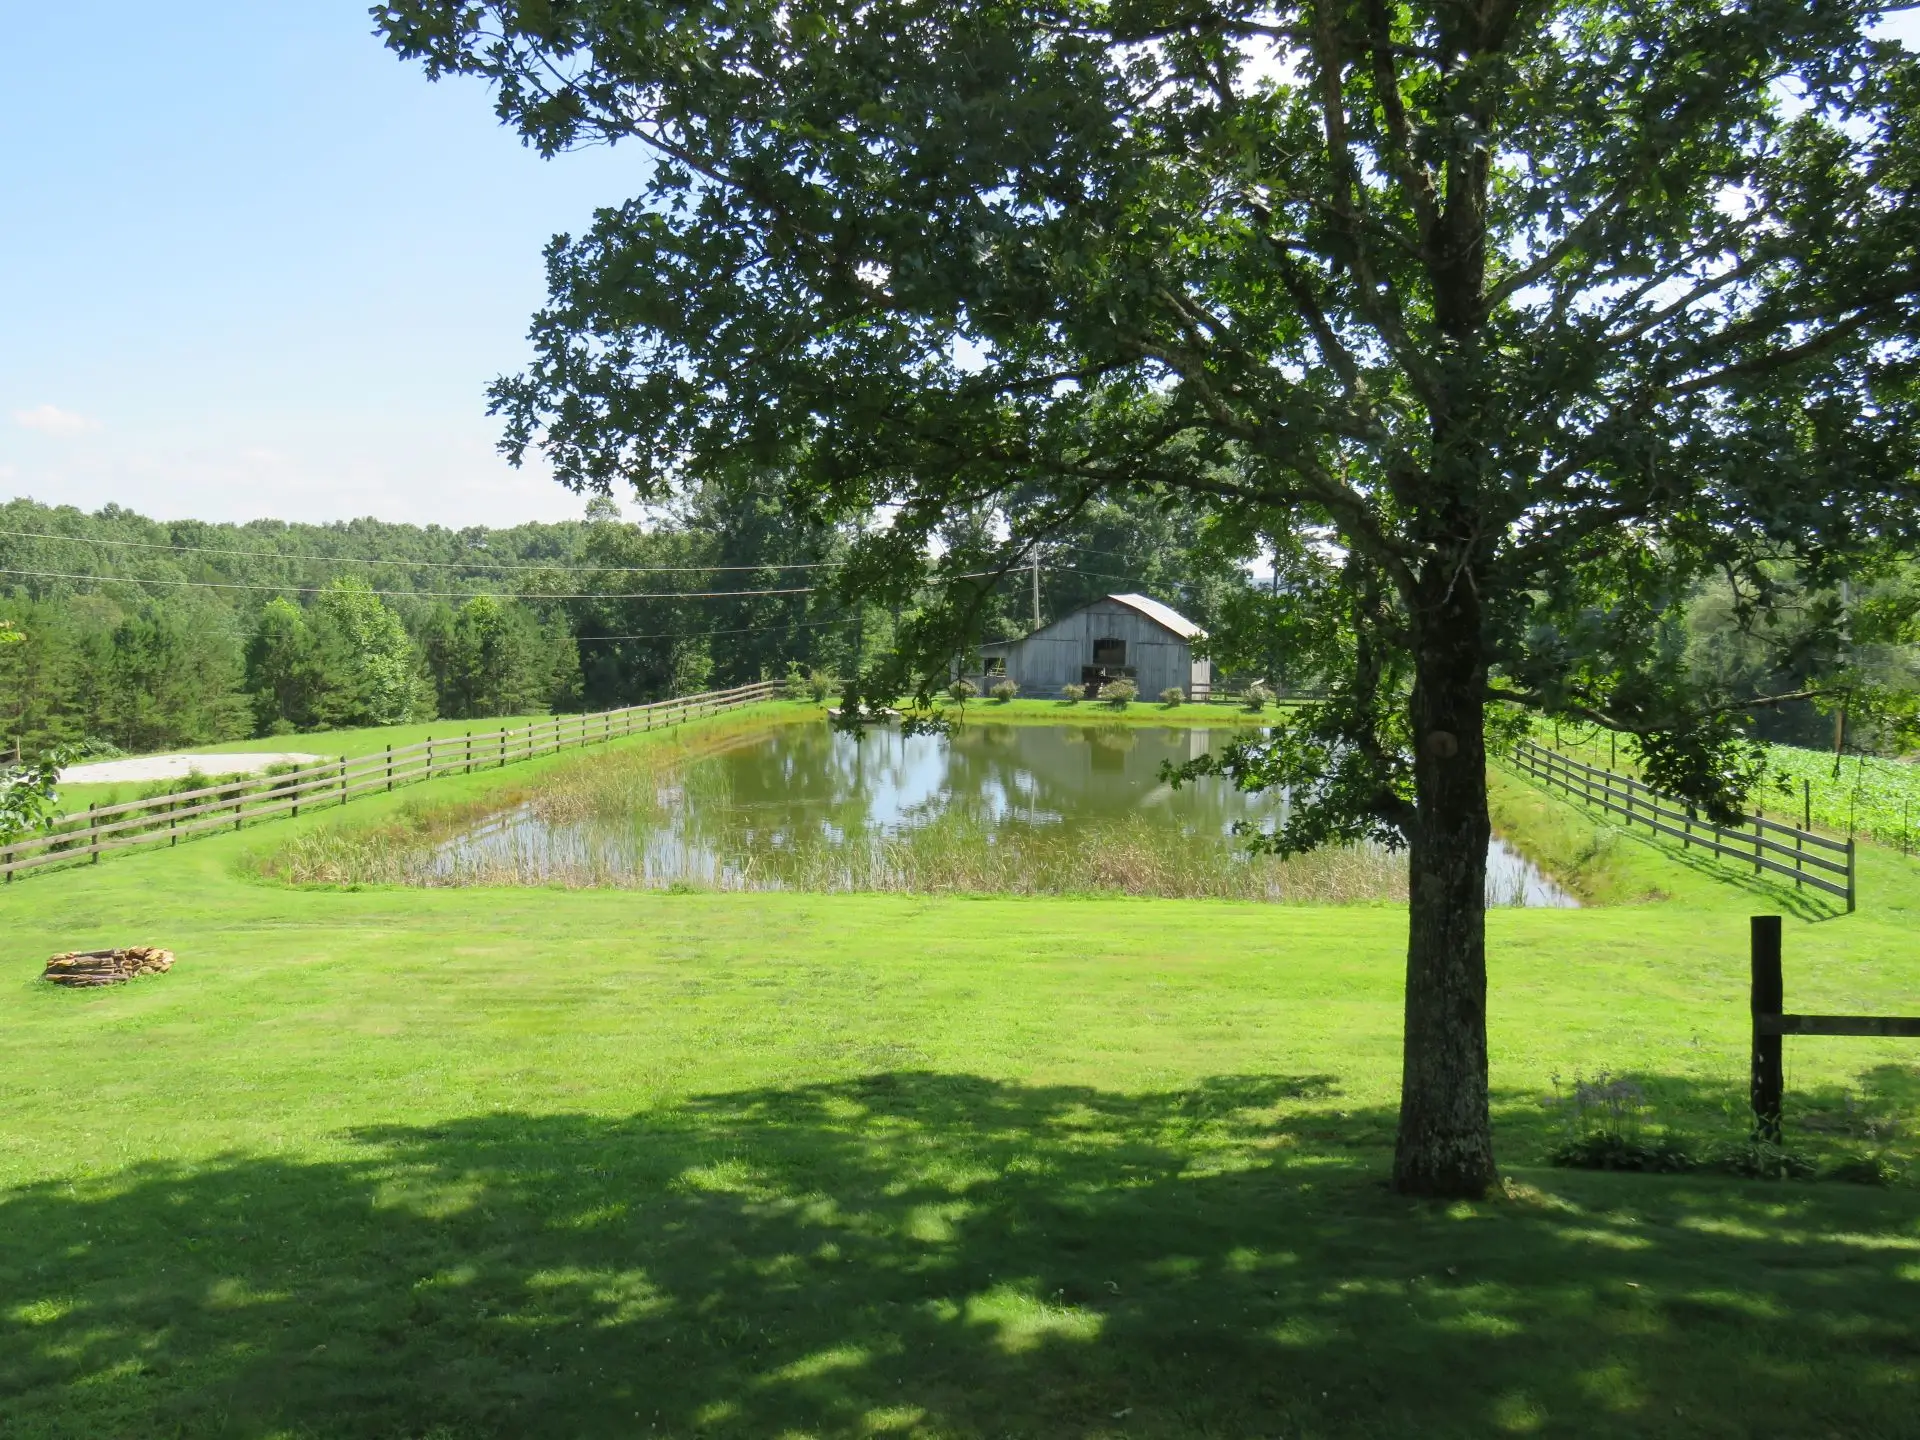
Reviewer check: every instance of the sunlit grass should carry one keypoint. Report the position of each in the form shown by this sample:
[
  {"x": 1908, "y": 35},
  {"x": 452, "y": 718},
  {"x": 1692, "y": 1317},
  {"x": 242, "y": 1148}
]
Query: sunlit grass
[{"x": 535, "y": 1161}]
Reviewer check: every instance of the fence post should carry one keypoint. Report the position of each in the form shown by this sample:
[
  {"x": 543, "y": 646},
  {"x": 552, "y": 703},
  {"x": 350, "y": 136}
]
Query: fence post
[
  {"x": 469, "y": 769},
  {"x": 389, "y": 768},
  {"x": 1766, "y": 997},
  {"x": 343, "y": 779},
  {"x": 1849, "y": 874},
  {"x": 93, "y": 839}
]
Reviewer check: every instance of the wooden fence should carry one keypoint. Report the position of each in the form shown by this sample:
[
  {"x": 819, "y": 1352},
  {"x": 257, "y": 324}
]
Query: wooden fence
[
  {"x": 169, "y": 819},
  {"x": 1766, "y": 1081},
  {"x": 1800, "y": 855}
]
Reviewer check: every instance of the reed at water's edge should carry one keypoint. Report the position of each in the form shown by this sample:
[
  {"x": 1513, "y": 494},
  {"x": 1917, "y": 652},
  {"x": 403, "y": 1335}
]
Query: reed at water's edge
[
  {"x": 652, "y": 819},
  {"x": 950, "y": 856}
]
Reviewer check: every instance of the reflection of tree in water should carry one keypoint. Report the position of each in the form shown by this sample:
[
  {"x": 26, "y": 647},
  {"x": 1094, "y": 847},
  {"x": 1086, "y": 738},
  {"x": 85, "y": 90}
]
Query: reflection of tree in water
[
  {"x": 998, "y": 808},
  {"x": 816, "y": 808},
  {"x": 812, "y": 781}
]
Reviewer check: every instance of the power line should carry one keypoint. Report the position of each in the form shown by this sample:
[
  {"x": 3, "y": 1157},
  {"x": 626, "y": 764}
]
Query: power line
[
  {"x": 417, "y": 594},
  {"x": 740, "y": 630},
  {"x": 414, "y": 564},
  {"x": 444, "y": 594}
]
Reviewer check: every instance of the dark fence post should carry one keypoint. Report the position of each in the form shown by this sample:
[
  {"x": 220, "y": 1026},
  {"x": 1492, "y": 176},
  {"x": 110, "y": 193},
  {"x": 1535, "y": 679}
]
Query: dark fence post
[{"x": 1768, "y": 998}]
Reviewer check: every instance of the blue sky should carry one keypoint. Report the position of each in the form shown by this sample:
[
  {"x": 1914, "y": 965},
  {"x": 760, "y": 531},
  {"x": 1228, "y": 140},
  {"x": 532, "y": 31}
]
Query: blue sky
[{"x": 252, "y": 265}]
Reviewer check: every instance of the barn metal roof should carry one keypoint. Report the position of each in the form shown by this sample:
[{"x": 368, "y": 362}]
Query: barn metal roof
[{"x": 1162, "y": 615}]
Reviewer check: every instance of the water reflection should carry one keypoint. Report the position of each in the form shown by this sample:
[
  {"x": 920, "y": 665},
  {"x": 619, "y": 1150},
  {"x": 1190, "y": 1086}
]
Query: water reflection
[{"x": 743, "y": 818}]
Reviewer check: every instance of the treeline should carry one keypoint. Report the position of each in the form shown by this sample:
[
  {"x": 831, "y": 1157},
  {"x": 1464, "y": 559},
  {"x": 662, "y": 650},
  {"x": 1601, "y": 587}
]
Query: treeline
[
  {"x": 157, "y": 672},
  {"x": 144, "y": 635}
]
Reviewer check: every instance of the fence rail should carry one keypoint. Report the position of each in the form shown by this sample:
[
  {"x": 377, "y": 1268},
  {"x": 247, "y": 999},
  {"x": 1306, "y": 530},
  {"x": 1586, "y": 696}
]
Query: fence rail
[
  {"x": 1802, "y": 856},
  {"x": 1766, "y": 1076},
  {"x": 168, "y": 819}
]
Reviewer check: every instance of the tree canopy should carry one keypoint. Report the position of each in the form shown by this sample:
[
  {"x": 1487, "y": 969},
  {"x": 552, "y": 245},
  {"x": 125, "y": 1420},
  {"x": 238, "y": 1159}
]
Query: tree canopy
[{"x": 1504, "y": 324}]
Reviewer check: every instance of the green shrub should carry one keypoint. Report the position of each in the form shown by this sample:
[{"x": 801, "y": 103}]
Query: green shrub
[
  {"x": 1119, "y": 693},
  {"x": 821, "y": 683},
  {"x": 1759, "y": 1160},
  {"x": 1073, "y": 694},
  {"x": 1862, "y": 1170},
  {"x": 1004, "y": 691},
  {"x": 1172, "y": 696},
  {"x": 1610, "y": 1150},
  {"x": 1258, "y": 696},
  {"x": 963, "y": 691}
]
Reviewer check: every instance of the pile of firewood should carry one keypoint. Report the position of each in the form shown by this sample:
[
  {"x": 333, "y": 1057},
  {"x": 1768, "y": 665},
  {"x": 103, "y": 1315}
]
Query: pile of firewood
[{"x": 107, "y": 967}]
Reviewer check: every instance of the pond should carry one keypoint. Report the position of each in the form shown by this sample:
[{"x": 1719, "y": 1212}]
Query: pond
[{"x": 991, "y": 807}]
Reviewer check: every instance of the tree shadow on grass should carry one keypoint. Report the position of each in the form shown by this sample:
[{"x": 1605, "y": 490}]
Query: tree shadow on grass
[{"x": 933, "y": 1254}]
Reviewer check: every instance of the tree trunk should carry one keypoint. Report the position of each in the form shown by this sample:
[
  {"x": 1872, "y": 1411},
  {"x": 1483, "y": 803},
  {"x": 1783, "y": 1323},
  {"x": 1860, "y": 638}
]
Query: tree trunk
[{"x": 1445, "y": 1145}]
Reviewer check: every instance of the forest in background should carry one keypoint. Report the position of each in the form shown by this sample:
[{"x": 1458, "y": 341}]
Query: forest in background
[{"x": 139, "y": 635}]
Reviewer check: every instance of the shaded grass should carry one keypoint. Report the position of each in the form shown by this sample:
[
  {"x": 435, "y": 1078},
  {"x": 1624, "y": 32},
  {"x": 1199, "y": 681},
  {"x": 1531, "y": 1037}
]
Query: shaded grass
[
  {"x": 536, "y": 1162},
  {"x": 926, "y": 1253}
]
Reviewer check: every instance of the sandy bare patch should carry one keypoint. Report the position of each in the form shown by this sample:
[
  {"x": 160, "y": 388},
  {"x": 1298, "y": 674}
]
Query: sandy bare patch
[{"x": 173, "y": 767}]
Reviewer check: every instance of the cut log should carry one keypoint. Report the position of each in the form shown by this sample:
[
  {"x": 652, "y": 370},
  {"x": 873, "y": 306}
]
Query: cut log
[{"x": 107, "y": 967}]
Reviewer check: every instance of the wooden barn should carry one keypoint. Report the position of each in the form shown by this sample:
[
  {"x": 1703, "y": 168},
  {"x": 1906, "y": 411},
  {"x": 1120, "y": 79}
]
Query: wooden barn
[{"x": 1149, "y": 643}]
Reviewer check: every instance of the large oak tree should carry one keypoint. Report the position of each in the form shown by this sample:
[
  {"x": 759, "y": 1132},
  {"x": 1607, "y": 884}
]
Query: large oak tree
[{"x": 1505, "y": 322}]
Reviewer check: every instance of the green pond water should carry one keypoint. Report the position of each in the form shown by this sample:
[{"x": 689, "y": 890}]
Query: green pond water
[{"x": 989, "y": 807}]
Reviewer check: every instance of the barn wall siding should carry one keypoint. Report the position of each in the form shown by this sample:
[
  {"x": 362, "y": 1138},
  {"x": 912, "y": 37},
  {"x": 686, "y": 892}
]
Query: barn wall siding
[{"x": 1055, "y": 655}]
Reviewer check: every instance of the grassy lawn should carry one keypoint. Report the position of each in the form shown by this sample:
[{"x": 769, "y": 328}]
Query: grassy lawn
[{"x": 499, "y": 1163}]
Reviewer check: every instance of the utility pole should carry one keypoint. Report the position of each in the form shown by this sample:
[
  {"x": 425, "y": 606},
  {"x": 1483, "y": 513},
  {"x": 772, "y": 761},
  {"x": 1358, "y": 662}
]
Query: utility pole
[
  {"x": 1036, "y": 589},
  {"x": 1273, "y": 644},
  {"x": 1840, "y": 714}
]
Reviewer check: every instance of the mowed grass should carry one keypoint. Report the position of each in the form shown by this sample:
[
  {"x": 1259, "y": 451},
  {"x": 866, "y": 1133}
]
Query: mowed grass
[{"x": 448, "y": 1163}]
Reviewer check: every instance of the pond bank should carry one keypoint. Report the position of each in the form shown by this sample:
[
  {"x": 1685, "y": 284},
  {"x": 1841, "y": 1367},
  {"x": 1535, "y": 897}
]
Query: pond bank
[{"x": 990, "y": 808}]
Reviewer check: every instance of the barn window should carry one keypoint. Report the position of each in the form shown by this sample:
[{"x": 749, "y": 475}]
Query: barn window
[
  {"x": 1109, "y": 652},
  {"x": 993, "y": 664}
]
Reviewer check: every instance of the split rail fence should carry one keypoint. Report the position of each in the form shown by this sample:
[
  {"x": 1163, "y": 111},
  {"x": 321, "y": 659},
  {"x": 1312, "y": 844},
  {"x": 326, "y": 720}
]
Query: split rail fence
[
  {"x": 169, "y": 819},
  {"x": 1802, "y": 856},
  {"x": 1766, "y": 1083}
]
